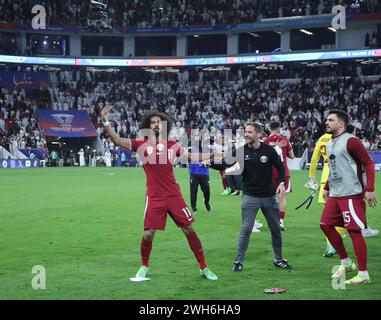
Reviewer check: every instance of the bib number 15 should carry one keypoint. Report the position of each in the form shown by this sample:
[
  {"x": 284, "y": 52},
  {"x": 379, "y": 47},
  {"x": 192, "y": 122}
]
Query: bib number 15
[{"x": 347, "y": 217}]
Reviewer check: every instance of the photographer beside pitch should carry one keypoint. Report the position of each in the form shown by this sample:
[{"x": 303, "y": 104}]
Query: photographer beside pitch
[{"x": 259, "y": 192}]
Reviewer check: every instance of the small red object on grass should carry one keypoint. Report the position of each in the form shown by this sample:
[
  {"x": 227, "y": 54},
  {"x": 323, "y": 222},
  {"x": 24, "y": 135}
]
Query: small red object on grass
[{"x": 275, "y": 290}]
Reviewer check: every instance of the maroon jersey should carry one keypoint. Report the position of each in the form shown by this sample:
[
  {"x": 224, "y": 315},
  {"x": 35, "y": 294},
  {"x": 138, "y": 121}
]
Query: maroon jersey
[
  {"x": 158, "y": 158},
  {"x": 282, "y": 152}
]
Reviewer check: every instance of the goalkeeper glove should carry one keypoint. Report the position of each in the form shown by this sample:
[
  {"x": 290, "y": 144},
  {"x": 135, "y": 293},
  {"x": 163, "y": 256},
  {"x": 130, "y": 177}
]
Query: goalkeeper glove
[{"x": 311, "y": 184}]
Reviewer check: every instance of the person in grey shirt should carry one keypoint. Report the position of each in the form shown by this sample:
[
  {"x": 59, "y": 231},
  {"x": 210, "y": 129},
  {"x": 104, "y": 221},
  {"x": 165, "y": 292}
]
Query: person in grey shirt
[{"x": 259, "y": 192}]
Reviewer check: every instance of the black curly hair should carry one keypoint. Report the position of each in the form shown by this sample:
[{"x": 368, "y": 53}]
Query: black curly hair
[{"x": 146, "y": 121}]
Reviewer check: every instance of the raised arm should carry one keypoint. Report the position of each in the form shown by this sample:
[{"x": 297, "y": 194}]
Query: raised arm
[
  {"x": 197, "y": 157},
  {"x": 122, "y": 142},
  {"x": 222, "y": 162}
]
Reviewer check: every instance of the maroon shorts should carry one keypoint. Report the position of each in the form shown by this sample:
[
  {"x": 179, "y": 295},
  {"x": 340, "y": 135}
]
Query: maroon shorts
[
  {"x": 347, "y": 213},
  {"x": 287, "y": 184},
  {"x": 155, "y": 213}
]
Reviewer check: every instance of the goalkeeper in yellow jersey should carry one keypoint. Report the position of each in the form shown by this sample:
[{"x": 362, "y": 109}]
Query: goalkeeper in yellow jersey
[{"x": 321, "y": 150}]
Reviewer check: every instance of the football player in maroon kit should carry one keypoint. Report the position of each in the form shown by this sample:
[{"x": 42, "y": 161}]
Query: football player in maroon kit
[
  {"x": 163, "y": 194},
  {"x": 345, "y": 193},
  {"x": 284, "y": 149}
]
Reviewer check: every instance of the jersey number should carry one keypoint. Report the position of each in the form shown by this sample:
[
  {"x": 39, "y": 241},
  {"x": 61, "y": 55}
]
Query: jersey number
[
  {"x": 347, "y": 217},
  {"x": 170, "y": 154}
]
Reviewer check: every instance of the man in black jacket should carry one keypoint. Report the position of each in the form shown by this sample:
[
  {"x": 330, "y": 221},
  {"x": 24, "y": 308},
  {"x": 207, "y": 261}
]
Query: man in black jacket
[{"x": 255, "y": 161}]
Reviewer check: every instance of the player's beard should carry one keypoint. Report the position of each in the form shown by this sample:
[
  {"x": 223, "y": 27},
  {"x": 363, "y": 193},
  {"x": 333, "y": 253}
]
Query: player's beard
[
  {"x": 330, "y": 130},
  {"x": 157, "y": 133}
]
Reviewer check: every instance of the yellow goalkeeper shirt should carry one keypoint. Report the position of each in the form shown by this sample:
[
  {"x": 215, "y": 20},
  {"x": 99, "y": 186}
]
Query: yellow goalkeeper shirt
[{"x": 320, "y": 150}]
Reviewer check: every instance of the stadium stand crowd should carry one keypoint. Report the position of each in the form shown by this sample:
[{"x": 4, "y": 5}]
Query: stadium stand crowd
[
  {"x": 18, "y": 124},
  {"x": 164, "y": 13},
  {"x": 215, "y": 100}
]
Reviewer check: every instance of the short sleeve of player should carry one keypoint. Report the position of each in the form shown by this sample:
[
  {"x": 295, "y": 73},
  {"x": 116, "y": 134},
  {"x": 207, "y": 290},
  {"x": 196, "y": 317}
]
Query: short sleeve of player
[{"x": 135, "y": 144}]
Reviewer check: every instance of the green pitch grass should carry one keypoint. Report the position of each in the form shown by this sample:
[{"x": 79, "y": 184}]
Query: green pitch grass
[{"x": 84, "y": 227}]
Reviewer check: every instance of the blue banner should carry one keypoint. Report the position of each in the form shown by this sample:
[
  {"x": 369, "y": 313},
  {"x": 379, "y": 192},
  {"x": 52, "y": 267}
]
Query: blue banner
[
  {"x": 15, "y": 80},
  {"x": 376, "y": 156},
  {"x": 35, "y": 153},
  {"x": 18, "y": 164},
  {"x": 68, "y": 124}
]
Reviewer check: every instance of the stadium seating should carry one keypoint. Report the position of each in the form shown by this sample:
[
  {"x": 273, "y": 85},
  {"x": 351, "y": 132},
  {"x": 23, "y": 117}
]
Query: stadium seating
[{"x": 145, "y": 13}]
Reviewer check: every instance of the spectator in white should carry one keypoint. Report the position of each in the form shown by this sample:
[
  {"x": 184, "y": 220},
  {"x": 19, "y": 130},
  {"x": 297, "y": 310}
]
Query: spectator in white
[
  {"x": 99, "y": 131},
  {"x": 81, "y": 155},
  {"x": 280, "y": 12},
  {"x": 366, "y": 143},
  {"x": 286, "y": 132},
  {"x": 13, "y": 147},
  {"x": 273, "y": 106},
  {"x": 94, "y": 158},
  {"x": 375, "y": 144},
  {"x": 320, "y": 7},
  {"x": 308, "y": 9},
  {"x": 108, "y": 158}
]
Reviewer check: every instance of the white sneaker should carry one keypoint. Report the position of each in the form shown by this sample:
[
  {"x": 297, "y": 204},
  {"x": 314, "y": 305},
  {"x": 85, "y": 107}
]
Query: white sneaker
[
  {"x": 255, "y": 229},
  {"x": 258, "y": 225},
  {"x": 369, "y": 232}
]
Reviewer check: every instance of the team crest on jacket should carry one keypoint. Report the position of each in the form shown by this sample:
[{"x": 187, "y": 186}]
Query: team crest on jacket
[
  {"x": 149, "y": 150},
  {"x": 263, "y": 159}
]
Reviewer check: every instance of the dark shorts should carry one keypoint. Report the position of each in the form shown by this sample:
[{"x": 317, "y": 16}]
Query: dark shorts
[{"x": 157, "y": 208}]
